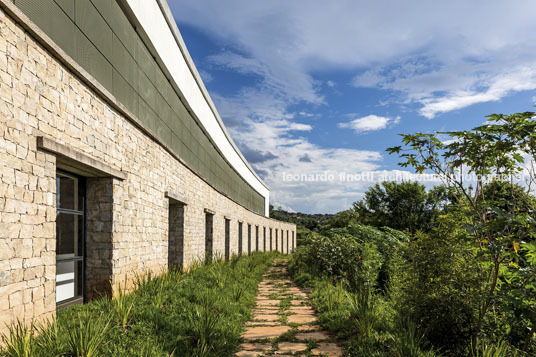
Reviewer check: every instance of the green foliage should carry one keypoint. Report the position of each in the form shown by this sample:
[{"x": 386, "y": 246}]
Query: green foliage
[
  {"x": 405, "y": 206},
  {"x": 19, "y": 340},
  {"x": 408, "y": 342},
  {"x": 197, "y": 313},
  {"x": 48, "y": 337},
  {"x": 122, "y": 306},
  {"x": 500, "y": 215},
  {"x": 352, "y": 253},
  {"x": 204, "y": 321},
  {"x": 501, "y": 349},
  {"x": 440, "y": 284},
  {"x": 85, "y": 339}
]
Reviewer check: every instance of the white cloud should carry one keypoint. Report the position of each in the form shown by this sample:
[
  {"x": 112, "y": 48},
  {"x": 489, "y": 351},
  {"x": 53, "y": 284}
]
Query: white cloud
[
  {"x": 465, "y": 55},
  {"x": 207, "y": 77},
  {"x": 442, "y": 56},
  {"x": 369, "y": 123}
]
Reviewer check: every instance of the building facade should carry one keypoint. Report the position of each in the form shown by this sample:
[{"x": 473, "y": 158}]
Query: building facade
[{"x": 113, "y": 159}]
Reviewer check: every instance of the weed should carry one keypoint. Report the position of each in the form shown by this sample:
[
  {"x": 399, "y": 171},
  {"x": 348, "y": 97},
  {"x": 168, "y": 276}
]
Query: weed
[
  {"x": 408, "y": 342},
  {"x": 122, "y": 306},
  {"x": 86, "y": 338},
  {"x": 19, "y": 341},
  {"x": 48, "y": 336},
  {"x": 203, "y": 322},
  {"x": 500, "y": 349}
]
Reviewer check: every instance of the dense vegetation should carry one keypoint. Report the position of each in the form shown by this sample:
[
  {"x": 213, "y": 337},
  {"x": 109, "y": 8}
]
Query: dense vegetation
[
  {"x": 200, "y": 313},
  {"x": 458, "y": 275}
]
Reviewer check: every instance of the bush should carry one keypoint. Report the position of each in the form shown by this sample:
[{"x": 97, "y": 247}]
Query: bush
[
  {"x": 199, "y": 313},
  {"x": 357, "y": 254}
]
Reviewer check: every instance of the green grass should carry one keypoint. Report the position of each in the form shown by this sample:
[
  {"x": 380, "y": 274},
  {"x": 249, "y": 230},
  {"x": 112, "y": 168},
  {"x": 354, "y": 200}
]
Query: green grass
[{"x": 199, "y": 313}]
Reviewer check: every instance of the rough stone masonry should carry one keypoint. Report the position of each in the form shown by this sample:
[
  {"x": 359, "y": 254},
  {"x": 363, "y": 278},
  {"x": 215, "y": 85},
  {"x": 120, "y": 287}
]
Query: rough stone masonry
[{"x": 132, "y": 181}]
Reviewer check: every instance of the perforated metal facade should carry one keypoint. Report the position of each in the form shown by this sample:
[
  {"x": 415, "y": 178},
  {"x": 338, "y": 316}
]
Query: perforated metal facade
[{"x": 99, "y": 36}]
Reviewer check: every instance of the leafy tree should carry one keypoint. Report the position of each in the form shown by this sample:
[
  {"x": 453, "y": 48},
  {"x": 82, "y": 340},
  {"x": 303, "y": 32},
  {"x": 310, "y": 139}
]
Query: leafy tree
[
  {"x": 341, "y": 219},
  {"x": 500, "y": 223},
  {"x": 403, "y": 206}
]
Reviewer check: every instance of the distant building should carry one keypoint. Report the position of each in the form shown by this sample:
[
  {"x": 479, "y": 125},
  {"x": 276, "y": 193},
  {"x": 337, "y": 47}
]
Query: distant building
[{"x": 113, "y": 158}]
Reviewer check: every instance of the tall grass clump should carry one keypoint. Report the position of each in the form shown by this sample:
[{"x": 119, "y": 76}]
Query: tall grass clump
[
  {"x": 197, "y": 312},
  {"x": 85, "y": 339},
  {"x": 122, "y": 306},
  {"x": 350, "y": 271},
  {"x": 19, "y": 340}
]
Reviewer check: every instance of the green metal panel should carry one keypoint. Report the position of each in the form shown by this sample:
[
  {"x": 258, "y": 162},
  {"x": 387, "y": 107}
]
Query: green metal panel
[
  {"x": 145, "y": 59},
  {"x": 124, "y": 92},
  {"x": 104, "y": 7},
  {"x": 174, "y": 123},
  {"x": 105, "y": 44},
  {"x": 161, "y": 81},
  {"x": 163, "y": 110},
  {"x": 124, "y": 63},
  {"x": 146, "y": 89},
  {"x": 121, "y": 26},
  {"x": 169, "y": 93},
  {"x": 147, "y": 115},
  {"x": 92, "y": 24},
  {"x": 163, "y": 132},
  {"x": 67, "y": 6},
  {"x": 92, "y": 60},
  {"x": 52, "y": 20}
]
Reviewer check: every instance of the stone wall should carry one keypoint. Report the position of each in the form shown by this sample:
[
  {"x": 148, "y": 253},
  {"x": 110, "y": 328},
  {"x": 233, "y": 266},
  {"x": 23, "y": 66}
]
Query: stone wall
[{"x": 128, "y": 219}]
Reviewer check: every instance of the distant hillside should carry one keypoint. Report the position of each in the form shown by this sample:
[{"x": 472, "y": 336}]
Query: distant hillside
[{"x": 309, "y": 221}]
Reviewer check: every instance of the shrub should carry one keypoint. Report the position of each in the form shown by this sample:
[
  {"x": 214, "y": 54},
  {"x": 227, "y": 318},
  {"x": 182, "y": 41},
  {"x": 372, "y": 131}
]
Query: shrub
[
  {"x": 19, "y": 341},
  {"x": 85, "y": 339}
]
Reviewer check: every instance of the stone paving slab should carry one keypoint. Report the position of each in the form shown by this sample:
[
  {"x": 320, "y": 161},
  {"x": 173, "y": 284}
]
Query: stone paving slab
[
  {"x": 316, "y": 335},
  {"x": 291, "y": 347},
  {"x": 264, "y": 332},
  {"x": 328, "y": 349},
  {"x": 263, "y": 323},
  {"x": 266, "y": 317},
  {"x": 256, "y": 346},
  {"x": 301, "y": 309},
  {"x": 301, "y": 318},
  {"x": 290, "y": 341}
]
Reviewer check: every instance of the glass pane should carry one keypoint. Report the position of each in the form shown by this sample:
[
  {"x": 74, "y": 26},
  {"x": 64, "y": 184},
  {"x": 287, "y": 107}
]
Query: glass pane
[
  {"x": 69, "y": 234},
  {"x": 79, "y": 281},
  {"x": 65, "y": 281},
  {"x": 67, "y": 192},
  {"x": 79, "y": 239},
  {"x": 65, "y": 233}
]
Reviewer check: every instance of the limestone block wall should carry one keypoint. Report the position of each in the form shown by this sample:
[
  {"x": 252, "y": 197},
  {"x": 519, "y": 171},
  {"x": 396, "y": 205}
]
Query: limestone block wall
[{"x": 128, "y": 217}]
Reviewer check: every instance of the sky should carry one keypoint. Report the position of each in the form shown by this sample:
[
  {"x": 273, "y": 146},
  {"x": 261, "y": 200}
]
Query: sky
[{"x": 313, "y": 92}]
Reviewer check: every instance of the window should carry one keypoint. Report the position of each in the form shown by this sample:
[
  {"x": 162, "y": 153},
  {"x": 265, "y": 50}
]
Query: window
[
  {"x": 249, "y": 238},
  {"x": 70, "y": 239},
  {"x": 264, "y": 239},
  {"x": 256, "y": 238},
  {"x": 227, "y": 238},
  {"x": 209, "y": 217},
  {"x": 176, "y": 235},
  {"x": 239, "y": 237}
]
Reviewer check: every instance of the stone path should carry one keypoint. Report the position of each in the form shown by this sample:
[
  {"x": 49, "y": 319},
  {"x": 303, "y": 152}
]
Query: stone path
[{"x": 283, "y": 323}]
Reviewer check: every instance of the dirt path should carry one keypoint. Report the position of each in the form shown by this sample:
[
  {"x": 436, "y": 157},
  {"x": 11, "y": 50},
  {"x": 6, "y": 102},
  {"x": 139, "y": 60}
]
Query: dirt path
[{"x": 283, "y": 322}]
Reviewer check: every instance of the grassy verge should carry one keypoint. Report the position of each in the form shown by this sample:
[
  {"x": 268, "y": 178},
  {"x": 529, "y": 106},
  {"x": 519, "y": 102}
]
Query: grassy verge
[
  {"x": 364, "y": 321},
  {"x": 199, "y": 313}
]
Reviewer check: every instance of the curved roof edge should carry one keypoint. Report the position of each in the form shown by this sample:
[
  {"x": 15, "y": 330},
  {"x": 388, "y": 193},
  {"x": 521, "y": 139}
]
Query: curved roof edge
[{"x": 158, "y": 25}]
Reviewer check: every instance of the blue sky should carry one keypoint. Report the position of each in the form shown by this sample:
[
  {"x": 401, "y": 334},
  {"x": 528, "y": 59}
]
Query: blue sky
[{"x": 307, "y": 87}]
